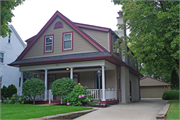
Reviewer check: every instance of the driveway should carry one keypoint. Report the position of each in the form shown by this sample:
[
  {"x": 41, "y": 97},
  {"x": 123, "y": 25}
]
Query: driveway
[{"x": 146, "y": 109}]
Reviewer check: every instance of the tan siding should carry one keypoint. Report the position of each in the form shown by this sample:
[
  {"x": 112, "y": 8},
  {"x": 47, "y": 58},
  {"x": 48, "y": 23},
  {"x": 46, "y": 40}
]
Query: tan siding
[
  {"x": 87, "y": 79},
  {"x": 80, "y": 45},
  {"x": 151, "y": 82},
  {"x": 110, "y": 79},
  {"x": 101, "y": 37}
]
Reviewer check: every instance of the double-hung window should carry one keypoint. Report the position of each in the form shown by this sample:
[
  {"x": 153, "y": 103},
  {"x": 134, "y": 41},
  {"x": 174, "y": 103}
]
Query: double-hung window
[
  {"x": 49, "y": 41},
  {"x": 1, "y": 57},
  {"x": 68, "y": 41}
]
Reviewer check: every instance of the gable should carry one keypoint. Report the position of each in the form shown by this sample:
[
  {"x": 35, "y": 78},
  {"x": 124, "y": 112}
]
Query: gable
[
  {"x": 152, "y": 82},
  {"x": 99, "y": 36},
  {"x": 80, "y": 44}
]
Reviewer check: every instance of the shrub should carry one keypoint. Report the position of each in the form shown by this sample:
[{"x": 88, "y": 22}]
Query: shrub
[
  {"x": 63, "y": 86},
  {"x": 33, "y": 87},
  {"x": 16, "y": 99},
  {"x": 11, "y": 90},
  {"x": 4, "y": 92},
  {"x": 79, "y": 96},
  {"x": 170, "y": 95}
]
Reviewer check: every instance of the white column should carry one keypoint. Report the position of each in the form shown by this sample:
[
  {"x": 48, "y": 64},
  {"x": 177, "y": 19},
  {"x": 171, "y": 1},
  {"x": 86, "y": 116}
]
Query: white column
[
  {"x": 71, "y": 73},
  {"x": 21, "y": 82},
  {"x": 103, "y": 85},
  {"x": 45, "y": 97}
]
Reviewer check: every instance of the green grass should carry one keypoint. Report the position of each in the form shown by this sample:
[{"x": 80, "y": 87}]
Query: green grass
[
  {"x": 173, "y": 112},
  {"x": 27, "y": 111}
]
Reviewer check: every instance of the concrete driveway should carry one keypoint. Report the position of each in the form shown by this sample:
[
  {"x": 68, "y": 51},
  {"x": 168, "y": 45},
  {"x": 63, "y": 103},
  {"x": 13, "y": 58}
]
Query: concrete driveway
[{"x": 146, "y": 109}]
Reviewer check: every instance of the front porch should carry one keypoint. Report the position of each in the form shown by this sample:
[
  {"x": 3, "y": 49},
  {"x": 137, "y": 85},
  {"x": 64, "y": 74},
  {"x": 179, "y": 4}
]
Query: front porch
[{"x": 80, "y": 72}]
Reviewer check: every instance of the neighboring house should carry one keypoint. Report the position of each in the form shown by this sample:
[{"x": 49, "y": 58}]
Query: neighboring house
[
  {"x": 10, "y": 48},
  {"x": 63, "y": 48},
  {"x": 153, "y": 88}
]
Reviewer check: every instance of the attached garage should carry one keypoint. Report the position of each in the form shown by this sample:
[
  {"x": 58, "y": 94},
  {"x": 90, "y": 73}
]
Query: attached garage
[{"x": 153, "y": 88}]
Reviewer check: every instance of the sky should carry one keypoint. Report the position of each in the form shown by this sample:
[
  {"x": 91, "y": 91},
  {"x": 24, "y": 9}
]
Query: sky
[{"x": 32, "y": 15}]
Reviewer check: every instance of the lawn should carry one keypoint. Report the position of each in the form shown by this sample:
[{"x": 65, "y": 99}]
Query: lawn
[
  {"x": 173, "y": 112},
  {"x": 27, "y": 111}
]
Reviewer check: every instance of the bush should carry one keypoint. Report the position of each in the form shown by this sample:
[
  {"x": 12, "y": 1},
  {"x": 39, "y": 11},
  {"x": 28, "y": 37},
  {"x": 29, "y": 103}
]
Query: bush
[
  {"x": 11, "y": 90},
  {"x": 4, "y": 92},
  {"x": 63, "y": 86},
  {"x": 170, "y": 95},
  {"x": 33, "y": 87},
  {"x": 79, "y": 96},
  {"x": 16, "y": 99}
]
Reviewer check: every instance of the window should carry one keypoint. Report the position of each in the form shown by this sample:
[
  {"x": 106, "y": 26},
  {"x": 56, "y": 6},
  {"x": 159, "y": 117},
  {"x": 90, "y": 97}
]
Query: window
[
  {"x": 1, "y": 57},
  {"x": 19, "y": 82},
  {"x": 9, "y": 39},
  {"x": 49, "y": 43},
  {"x": 68, "y": 41}
]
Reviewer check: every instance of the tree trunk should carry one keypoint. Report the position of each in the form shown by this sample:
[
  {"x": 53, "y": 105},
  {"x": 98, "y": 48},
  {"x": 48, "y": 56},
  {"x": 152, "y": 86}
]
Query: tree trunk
[{"x": 34, "y": 101}]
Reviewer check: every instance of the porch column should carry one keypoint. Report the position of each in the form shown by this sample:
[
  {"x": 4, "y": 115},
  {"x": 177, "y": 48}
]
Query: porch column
[
  {"x": 103, "y": 84},
  {"x": 71, "y": 73},
  {"x": 45, "y": 97},
  {"x": 21, "y": 83}
]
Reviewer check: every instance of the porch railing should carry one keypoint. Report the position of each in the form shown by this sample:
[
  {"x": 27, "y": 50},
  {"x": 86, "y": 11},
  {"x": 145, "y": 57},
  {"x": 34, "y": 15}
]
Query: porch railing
[
  {"x": 42, "y": 96},
  {"x": 110, "y": 94}
]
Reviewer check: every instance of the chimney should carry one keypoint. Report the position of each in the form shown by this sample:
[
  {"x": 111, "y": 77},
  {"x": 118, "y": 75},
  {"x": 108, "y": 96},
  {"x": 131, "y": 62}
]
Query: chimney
[{"x": 121, "y": 32}]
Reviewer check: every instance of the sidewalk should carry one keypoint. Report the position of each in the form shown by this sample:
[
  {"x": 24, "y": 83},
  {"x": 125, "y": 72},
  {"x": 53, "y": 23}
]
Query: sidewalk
[{"x": 141, "y": 110}]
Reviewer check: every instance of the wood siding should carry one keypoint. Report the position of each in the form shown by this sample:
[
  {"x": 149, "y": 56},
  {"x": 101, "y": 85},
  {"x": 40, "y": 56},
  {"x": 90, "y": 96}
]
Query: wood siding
[
  {"x": 87, "y": 79},
  {"x": 101, "y": 37},
  {"x": 111, "y": 79},
  {"x": 80, "y": 44}
]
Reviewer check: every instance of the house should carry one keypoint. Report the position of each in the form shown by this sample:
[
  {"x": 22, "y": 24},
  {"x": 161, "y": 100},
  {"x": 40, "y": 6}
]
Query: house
[
  {"x": 153, "y": 88},
  {"x": 63, "y": 48},
  {"x": 10, "y": 48}
]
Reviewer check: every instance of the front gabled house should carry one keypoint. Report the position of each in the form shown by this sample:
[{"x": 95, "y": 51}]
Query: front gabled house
[{"x": 63, "y": 48}]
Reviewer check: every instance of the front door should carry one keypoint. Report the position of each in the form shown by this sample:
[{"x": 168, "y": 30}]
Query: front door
[
  {"x": 51, "y": 79},
  {"x": 75, "y": 78}
]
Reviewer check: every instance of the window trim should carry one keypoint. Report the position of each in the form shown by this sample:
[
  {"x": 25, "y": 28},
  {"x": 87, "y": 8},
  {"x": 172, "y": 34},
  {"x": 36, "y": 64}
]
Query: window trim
[
  {"x": 45, "y": 43},
  {"x": 63, "y": 41}
]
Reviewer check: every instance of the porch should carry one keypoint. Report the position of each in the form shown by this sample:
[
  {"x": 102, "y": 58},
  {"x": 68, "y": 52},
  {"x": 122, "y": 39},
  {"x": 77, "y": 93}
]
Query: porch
[{"x": 80, "y": 72}]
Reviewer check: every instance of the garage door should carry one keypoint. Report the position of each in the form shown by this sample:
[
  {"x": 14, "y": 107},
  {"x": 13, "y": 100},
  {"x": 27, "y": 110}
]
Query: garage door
[{"x": 152, "y": 92}]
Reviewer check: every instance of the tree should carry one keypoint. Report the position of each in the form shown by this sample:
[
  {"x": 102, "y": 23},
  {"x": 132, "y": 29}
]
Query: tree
[
  {"x": 6, "y": 15},
  {"x": 4, "y": 92},
  {"x": 11, "y": 90},
  {"x": 63, "y": 86},
  {"x": 174, "y": 80},
  {"x": 33, "y": 87},
  {"x": 154, "y": 36}
]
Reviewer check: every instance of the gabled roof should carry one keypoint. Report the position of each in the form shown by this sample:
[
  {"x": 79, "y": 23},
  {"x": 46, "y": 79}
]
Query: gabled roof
[
  {"x": 17, "y": 35},
  {"x": 69, "y": 22},
  {"x": 149, "y": 81}
]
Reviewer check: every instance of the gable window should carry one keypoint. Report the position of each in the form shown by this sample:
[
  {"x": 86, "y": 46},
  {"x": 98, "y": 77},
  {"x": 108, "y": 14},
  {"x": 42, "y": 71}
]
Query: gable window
[
  {"x": 1, "y": 57},
  {"x": 67, "y": 41},
  {"x": 49, "y": 43},
  {"x": 9, "y": 39}
]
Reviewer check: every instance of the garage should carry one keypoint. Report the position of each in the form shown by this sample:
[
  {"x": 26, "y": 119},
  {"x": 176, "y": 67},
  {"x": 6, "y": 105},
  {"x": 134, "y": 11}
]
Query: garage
[{"x": 153, "y": 88}]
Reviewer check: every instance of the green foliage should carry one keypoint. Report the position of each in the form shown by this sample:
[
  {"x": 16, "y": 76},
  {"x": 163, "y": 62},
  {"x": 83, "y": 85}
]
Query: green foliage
[
  {"x": 174, "y": 80},
  {"x": 79, "y": 96},
  {"x": 6, "y": 15},
  {"x": 4, "y": 92},
  {"x": 11, "y": 90},
  {"x": 154, "y": 37},
  {"x": 33, "y": 87},
  {"x": 63, "y": 86},
  {"x": 170, "y": 95},
  {"x": 16, "y": 99}
]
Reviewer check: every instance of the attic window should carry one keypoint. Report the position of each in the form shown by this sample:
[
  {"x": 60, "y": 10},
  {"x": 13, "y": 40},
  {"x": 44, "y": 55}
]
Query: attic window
[
  {"x": 58, "y": 24},
  {"x": 48, "y": 43}
]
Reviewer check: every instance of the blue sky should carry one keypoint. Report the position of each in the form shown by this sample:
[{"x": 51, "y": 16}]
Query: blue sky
[{"x": 32, "y": 15}]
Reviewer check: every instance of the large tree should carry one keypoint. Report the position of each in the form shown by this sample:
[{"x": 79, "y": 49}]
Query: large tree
[
  {"x": 154, "y": 36},
  {"x": 6, "y": 15}
]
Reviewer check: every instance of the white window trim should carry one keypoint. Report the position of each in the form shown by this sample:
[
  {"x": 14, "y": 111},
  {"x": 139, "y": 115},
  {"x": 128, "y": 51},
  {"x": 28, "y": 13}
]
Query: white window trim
[
  {"x": 67, "y": 40},
  {"x": 49, "y": 45}
]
